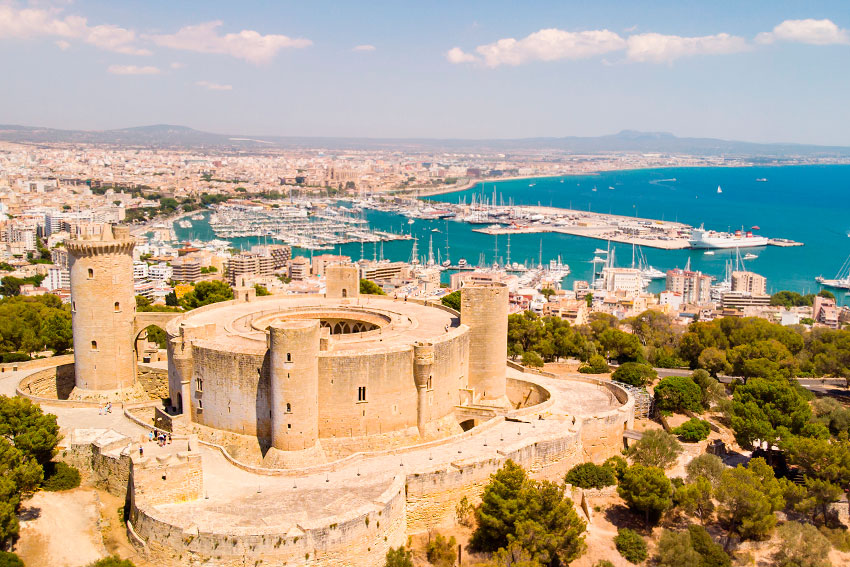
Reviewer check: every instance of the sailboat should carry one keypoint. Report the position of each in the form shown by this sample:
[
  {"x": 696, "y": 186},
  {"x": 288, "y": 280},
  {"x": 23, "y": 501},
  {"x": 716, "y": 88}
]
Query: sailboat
[{"x": 719, "y": 190}]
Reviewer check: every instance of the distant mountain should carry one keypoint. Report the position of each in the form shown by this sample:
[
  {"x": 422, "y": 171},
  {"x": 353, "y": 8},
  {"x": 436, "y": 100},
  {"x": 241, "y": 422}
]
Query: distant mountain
[{"x": 170, "y": 136}]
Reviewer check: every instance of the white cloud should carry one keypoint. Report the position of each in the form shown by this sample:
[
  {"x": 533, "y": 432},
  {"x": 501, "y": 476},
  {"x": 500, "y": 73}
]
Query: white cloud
[
  {"x": 659, "y": 48},
  {"x": 62, "y": 44},
  {"x": 550, "y": 45},
  {"x": 457, "y": 55},
  {"x": 133, "y": 70},
  {"x": 814, "y": 32},
  {"x": 247, "y": 44},
  {"x": 34, "y": 22},
  {"x": 177, "y": 65},
  {"x": 214, "y": 86},
  {"x": 364, "y": 48}
]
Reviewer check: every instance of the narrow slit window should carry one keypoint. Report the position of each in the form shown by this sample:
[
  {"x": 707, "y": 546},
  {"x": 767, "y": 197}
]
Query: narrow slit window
[
  {"x": 91, "y": 273},
  {"x": 94, "y": 345},
  {"x": 361, "y": 393},
  {"x": 117, "y": 307}
]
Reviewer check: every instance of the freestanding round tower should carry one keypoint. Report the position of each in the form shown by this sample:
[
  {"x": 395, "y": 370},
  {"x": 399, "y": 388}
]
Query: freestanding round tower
[
  {"x": 294, "y": 384},
  {"x": 103, "y": 306},
  {"x": 484, "y": 309}
]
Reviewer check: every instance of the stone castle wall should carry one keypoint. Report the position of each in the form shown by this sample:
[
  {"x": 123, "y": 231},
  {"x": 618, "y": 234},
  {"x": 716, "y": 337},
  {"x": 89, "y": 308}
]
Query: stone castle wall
[{"x": 361, "y": 537}]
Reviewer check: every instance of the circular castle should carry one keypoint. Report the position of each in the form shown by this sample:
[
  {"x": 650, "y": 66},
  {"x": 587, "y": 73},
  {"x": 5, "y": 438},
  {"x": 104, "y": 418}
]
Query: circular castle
[
  {"x": 314, "y": 429},
  {"x": 297, "y": 380}
]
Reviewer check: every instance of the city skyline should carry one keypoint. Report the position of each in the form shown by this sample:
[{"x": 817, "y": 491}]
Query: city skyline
[{"x": 758, "y": 73}]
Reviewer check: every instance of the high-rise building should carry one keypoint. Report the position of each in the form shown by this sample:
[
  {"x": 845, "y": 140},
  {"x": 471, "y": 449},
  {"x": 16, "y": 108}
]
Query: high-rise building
[
  {"x": 749, "y": 282},
  {"x": 622, "y": 279},
  {"x": 248, "y": 263},
  {"x": 694, "y": 287},
  {"x": 185, "y": 269}
]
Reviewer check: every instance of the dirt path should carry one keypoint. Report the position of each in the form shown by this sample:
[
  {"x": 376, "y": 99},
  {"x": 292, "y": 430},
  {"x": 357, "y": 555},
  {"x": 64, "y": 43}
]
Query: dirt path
[{"x": 60, "y": 529}]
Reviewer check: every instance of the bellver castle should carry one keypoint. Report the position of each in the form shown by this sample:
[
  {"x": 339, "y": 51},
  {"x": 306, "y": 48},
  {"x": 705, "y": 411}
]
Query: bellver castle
[{"x": 307, "y": 429}]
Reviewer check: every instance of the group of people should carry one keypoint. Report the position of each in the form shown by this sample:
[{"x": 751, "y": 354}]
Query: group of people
[
  {"x": 107, "y": 408},
  {"x": 162, "y": 438}
]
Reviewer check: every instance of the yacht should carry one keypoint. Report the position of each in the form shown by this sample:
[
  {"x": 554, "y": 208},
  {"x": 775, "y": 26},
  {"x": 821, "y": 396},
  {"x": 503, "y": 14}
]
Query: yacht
[
  {"x": 750, "y": 256},
  {"x": 842, "y": 278},
  {"x": 708, "y": 239},
  {"x": 719, "y": 190}
]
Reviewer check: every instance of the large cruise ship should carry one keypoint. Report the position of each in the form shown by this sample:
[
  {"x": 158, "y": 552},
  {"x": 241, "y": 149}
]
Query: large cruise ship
[{"x": 703, "y": 239}]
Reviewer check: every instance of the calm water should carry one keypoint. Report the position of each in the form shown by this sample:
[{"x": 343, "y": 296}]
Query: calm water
[{"x": 810, "y": 204}]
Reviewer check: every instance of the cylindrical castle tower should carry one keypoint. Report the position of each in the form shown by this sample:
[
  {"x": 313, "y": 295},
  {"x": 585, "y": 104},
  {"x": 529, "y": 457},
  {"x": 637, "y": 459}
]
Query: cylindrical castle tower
[
  {"x": 294, "y": 384},
  {"x": 103, "y": 306},
  {"x": 484, "y": 309}
]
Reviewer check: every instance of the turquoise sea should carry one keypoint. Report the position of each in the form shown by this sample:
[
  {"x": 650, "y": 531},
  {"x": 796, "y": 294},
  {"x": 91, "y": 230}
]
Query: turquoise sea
[{"x": 810, "y": 204}]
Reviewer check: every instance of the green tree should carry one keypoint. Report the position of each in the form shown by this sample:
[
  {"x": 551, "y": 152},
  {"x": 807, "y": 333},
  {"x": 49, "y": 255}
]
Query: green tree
[
  {"x": 499, "y": 508},
  {"x": 32, "y": 432},
  {"x": 646, "y": 490},
  {"x": 590, "y": 475},
  {"x": 693, "y": 430},
  {"x": 706, "y": 465},
  {"x": 399, "y": 557},
  {"x": 532, "y": 359},
  {"x": 634, "y": 373},
  {"x": 762, "y": 406},
  {"x": 747, "y": 499},
  {"x": 261, "y": 290},
  {"x": 678, "y": 393},
  {"x": 630, "y": 545},
  {"x": 695, "y": 499},
  {"x": 712, "y": 553},
  {"x": 676, "y": 550},
  {"x": 452, "y": 300},
  {"x": 656, "y": 448},
  {"x": 801, "y": 545},
  {"x": 620, "y": 346},
  {"x": 368, "y": 287},
  {"x": 547, "y": 525},
  {"x": 713, "y": 360},
  {"x": 514, "y": 555},
  {"x": 205, "y": 293}
]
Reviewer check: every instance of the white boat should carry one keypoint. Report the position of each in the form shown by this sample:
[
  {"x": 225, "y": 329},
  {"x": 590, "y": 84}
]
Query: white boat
[
  {"x": 461, "y": 263},
  {"x": 600, "y": 251},
  {"x": 762, "y": 179},
  {"x": 707, "y": 239},
  {"x": 750, "y": 256},
  {"x": 410, "y": 221},
  {"x": 842, "y": 278},
  {"x": 709, "y": 252},
  {"x": 719, "y": 190}
]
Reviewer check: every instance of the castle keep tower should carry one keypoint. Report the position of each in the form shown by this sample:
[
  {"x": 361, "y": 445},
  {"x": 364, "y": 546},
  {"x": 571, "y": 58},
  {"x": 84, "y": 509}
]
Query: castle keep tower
[
  {"x": 484, "y": 309},
  {"x": 342, "y": 281},
  {"x": 294, "y": 384},
  {"x": 423, "y": 362},
  {"x": 103, "y": 306}
]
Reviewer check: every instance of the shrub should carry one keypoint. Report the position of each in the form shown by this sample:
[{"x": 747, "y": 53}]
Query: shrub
[
  {"x": 712, "y": 553},
  {"x": 8, "y": 559},
  {"x": 441, "y": 551},
  {"x": 399, "y": 557},
  {"x": 60, "y": 476},
  {"x": 678, "y": 393},
  {"x": 596, "y": 365},
  {"x": 838, "y": 537},
  {"x": 15, "y": 357},
  {"x": 693, "y": 430},
  {"x": 706, "y": 465},
  {"x": 589, "y": 475},
  {"x": 465, "y": 513},
  {"x": 634, "y": 373},
  {"x": 618, "y": 464},
  {"x": 112, "y": 561},
  {"x": 531, "y": 358},
  {"x": 631, "y": 545},
  {"x": 603, "y": 563}
]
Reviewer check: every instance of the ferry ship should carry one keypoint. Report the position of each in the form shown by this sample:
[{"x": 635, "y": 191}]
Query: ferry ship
[{"x": 708, "y": 239}]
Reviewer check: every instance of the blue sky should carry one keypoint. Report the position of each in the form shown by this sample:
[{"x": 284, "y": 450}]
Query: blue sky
[{"x": 761, "y": 71}]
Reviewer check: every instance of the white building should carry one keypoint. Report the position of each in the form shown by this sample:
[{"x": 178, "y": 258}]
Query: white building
[{"x": 57, "y": 278}]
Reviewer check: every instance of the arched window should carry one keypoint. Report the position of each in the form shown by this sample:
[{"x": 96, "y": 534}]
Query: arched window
[
  {"x": 91, "y": 273},
  {"x": 288, "y": 408},
  {"x": 344, "y": 292},
  {"x": 94, "y": 345},
  {"x": 117, "y": 307},
  {"x": 338, "y": 329},
  {"x": 289, "y": 357}
]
